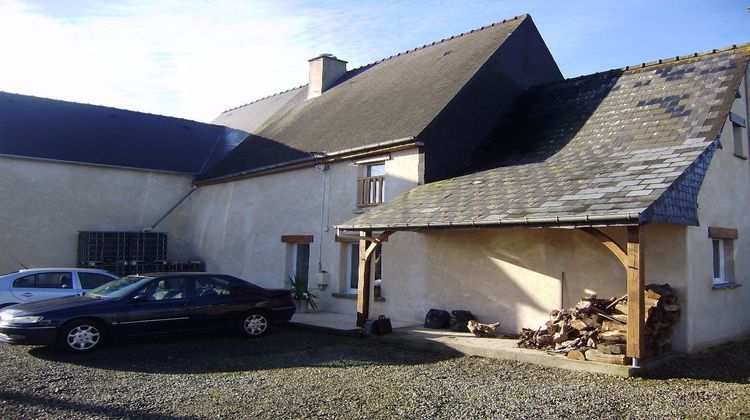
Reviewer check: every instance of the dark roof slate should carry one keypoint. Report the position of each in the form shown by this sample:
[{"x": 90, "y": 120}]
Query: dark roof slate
[
  {"x": 625, "y": 144},
  {"x": 391, "y": 99},
  {"x": 42, "y": 128}
]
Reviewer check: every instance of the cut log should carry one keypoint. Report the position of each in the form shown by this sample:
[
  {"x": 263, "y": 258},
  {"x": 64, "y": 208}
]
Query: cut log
[
  {"x": 613, "y": 359},
  {"x": 579, "y": 324},
  {"x": 615, "y": 336},
  {"x": 576, "y": 355},
  {"x": 484, "y": 330},
  {"x": 611, "y": 348}
]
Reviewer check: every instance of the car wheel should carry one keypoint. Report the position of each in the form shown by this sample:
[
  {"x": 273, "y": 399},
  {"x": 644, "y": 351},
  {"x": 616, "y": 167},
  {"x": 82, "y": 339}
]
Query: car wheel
[
  {"x": 255, "y": 324},
  {"x": 81, "y": 336}
]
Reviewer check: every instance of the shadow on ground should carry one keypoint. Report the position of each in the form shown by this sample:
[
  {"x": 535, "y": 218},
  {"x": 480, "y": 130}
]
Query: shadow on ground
[
  {"x": 284, "y": 347},
  {"x": 727, "y": 363},
  {"x": 80, "y": 408}
]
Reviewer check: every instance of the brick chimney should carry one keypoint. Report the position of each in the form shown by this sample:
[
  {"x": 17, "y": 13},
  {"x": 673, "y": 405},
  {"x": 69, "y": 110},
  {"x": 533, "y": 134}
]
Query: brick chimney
[{"x": 324, "y": 70}]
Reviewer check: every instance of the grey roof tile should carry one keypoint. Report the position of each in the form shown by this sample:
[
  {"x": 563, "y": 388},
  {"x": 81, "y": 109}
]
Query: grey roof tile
[{"x": 570, "y": 141}]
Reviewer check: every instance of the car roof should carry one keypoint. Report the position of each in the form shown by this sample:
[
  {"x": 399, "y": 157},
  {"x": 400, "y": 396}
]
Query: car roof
[
  {"x": 91, "y": 270},
  {"x": 178, "y": 273}
]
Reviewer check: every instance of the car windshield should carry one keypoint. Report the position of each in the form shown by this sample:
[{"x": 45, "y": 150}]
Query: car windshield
[{"x": 120, "y": 287}]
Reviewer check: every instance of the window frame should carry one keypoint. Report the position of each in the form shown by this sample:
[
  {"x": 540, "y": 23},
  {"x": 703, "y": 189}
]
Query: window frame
[
  {"x": 352, "y": 272},
  {"x": 294, "y": 268},
  {"x": 723, "y": 256},
  {"x": 739, "y": 135},
  {"x": 371, "y": 187}
]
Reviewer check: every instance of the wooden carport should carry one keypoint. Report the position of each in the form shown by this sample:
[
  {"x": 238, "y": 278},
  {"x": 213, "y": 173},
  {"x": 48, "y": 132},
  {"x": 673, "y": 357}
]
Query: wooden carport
[{"x": 632, "y": 257}]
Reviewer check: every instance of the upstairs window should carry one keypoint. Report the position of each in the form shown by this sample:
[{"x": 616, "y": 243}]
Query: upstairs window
[
  {"x": 739, "y": 130},
  {"x": 370, "y": 187}
]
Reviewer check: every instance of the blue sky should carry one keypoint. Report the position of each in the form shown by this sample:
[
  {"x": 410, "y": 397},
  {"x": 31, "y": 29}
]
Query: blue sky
[{"x": 193, "y": 59}]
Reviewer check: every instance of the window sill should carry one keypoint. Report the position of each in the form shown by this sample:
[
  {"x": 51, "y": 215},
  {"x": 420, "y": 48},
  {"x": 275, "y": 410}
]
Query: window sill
[
  {"x": 353, "y": 296},
  {"x": 727, "y": 285}
]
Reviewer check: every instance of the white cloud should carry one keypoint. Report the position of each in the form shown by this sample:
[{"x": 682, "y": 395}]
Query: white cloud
[{"x": 168, "y": 58}]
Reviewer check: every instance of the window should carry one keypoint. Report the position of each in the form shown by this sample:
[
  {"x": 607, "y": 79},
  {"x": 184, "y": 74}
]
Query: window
[
  {"x": 45, "y": 281},
  {"x": 216, "y": 286},
  {"x": 353, "y": 267},
  {"x": 370, "y": 188},
  {"x": 739, "y": 140},
  {"x": 722, "y": 250},
  {"x": 93, "y": 280},
  {"x": 166, "y": 289},
  {"x": 718, "y": 252},
  {"x": 739, "y": 129},
  {"x": 300, "y": 261}
]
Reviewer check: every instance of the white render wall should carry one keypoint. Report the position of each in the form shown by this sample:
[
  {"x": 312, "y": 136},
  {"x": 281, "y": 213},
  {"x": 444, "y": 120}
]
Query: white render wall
[
  {"x": 513, "y": 275},
  {"x": 237, "y": 226},
  {"x": 43, "y": 205},
  {"x": 719, "y": 315}
]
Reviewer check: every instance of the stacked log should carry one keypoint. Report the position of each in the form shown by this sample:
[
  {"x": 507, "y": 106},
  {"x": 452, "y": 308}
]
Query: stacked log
[{"x": 596, "y": 329}]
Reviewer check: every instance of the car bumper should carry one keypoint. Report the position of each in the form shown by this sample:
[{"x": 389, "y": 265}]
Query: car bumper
[
  {"x": 283, "y": 314},
  {"x": 28, "y": 335}
]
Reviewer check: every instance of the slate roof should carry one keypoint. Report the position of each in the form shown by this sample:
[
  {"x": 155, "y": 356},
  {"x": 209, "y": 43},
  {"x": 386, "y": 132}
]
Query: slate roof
[
  {"x": 41, "y": 128},
  {"x": 394, "y": 98},
  {"x": 629, "y": 145}
]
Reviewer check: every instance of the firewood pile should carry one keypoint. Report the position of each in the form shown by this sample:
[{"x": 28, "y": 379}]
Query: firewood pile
[{"x": 596, "y": 329}]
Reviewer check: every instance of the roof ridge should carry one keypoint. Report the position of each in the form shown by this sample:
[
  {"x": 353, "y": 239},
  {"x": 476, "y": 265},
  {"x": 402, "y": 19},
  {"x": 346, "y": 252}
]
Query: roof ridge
[
  {"x": 514, "y": 18},
  {"x": 661, "y": 61},
  {"x": 111, "y": 108},
  {"x": 264, "y": 98},
  {"x": 441, "y": 41}
]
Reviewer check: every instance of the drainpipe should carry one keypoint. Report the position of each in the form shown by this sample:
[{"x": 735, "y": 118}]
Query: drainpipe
[{"x": 161, "y": 219}]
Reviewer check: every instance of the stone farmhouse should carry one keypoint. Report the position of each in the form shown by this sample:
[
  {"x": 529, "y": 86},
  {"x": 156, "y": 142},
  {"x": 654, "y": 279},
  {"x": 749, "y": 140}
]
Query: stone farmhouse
[{"x": 463, "y": 174}]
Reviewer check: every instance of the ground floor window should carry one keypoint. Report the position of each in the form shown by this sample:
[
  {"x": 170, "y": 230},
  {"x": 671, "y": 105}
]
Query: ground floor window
[
  {"x": 299, "y": 261},
  {"x": 352, "y": 269},
  {"x": 722, "y": 250}
]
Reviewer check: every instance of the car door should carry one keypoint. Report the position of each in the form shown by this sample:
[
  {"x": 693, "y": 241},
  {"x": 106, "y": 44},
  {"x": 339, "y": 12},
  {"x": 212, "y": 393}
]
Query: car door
[
  {"x": 218, "y": 301},
  {"x": 45, "y": 285},
  {"x": 161, "y": 306}
]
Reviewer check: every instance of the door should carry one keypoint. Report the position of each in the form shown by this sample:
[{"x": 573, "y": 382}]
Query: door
[
  {"x": 160, "y": 307},
  {"x": 220, "y": 301},
  {"x": 39, "y": 286}
]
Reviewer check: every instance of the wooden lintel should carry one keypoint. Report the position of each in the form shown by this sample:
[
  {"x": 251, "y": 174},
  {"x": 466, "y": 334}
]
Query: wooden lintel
[
  {"x": 610, "y": 243},
  {"x": 722, "y": 233},
  {"x": 297, "y": 239},
  {"x": 636, "y": 275}
]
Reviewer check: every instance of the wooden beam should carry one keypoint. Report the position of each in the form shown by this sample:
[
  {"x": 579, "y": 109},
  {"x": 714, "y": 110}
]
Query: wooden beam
[
  {"x": 383, "y": 237},
  {"x": 297, "y": 239},
  {"x": 354, "y": 238},
  {"x": 722, "y": 233},
  {"x": 635, "y": 285},
  {"x": 610, "y": 243},
  {"x": 363, "y": 282}
]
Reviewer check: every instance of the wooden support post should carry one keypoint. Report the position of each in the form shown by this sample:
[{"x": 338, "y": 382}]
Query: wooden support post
[
  {"x": 363, "y": 283},
  {"x": 635, "y": 284}
]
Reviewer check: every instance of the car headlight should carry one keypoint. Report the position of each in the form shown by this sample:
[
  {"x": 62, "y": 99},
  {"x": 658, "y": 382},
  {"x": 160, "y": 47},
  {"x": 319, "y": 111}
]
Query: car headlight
[{"x": 20, "y": 319}]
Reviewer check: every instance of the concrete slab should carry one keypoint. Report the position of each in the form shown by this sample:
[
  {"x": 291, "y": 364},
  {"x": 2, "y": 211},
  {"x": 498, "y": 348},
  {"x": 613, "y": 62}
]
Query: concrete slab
[
  {"x": 420, "y": 338},
  {"x": 333, "y": 322},
  {"x": 494, "y": 348}
]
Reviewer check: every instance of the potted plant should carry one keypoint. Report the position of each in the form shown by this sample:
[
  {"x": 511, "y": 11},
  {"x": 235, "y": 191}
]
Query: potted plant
[{"x": 302, "y": 296}]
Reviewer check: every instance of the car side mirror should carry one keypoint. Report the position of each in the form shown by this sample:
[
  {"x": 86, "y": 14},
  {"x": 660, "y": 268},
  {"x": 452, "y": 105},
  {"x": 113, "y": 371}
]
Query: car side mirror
[{"x": 138, "y": 299}]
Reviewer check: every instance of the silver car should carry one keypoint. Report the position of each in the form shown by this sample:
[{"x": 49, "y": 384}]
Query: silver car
[{"x": 45, "y": 283}]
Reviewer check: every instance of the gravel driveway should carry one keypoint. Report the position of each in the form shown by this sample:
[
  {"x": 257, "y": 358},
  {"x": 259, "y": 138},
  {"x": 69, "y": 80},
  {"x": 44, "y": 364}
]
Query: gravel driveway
[{"x": 294, "y": 373}]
